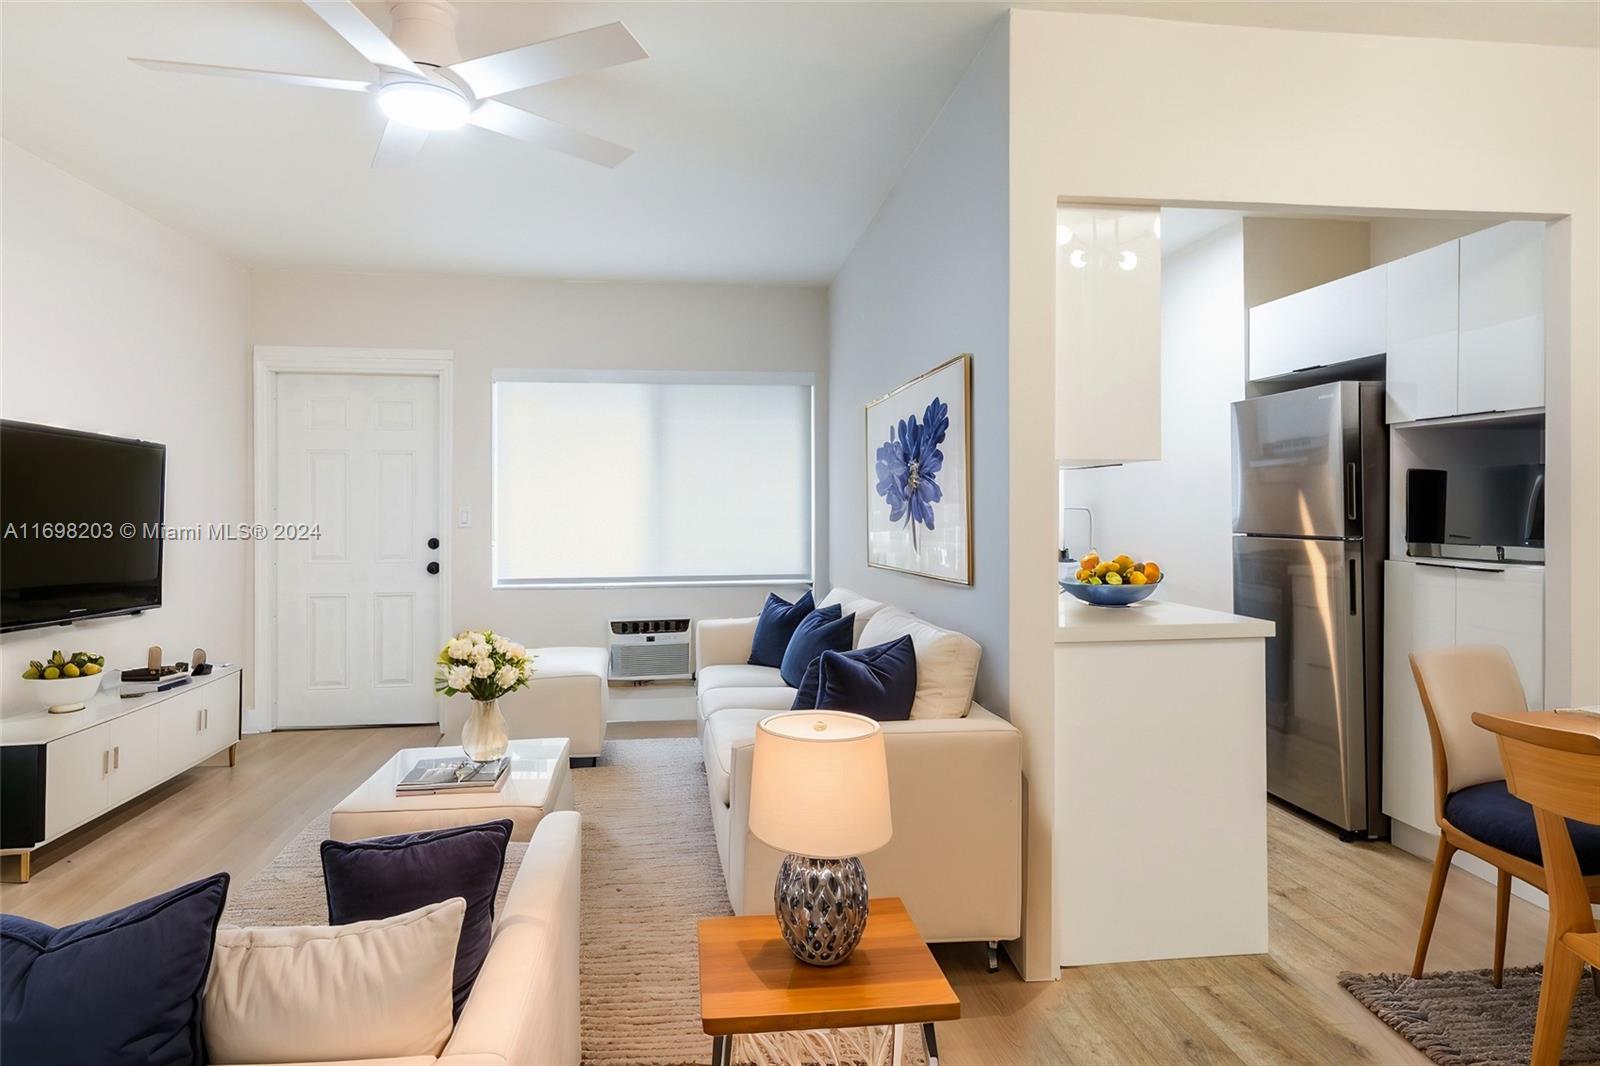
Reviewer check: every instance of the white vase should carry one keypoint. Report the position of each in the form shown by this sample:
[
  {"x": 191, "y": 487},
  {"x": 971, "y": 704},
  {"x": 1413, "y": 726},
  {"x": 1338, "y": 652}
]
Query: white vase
[{"x": 483, "y": 735}]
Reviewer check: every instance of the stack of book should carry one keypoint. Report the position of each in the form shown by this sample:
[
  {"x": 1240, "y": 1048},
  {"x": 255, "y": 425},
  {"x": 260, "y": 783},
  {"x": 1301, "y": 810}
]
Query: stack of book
[{"x": 453, "y": 774}]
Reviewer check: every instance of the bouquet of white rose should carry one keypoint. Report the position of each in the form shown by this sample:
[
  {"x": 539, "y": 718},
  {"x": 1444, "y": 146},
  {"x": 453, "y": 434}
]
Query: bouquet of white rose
[{"x": 484, "y": 665}]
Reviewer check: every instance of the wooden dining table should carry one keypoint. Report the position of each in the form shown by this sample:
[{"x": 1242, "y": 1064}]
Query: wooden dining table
[{"x": 1581, "y": 722}]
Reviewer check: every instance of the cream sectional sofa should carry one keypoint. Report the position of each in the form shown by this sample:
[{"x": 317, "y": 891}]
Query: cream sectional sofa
[{"x": 955, "y": 778}]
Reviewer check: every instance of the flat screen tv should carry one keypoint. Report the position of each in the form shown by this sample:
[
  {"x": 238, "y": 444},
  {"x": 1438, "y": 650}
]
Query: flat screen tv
[{"x": 80, "y": 516}]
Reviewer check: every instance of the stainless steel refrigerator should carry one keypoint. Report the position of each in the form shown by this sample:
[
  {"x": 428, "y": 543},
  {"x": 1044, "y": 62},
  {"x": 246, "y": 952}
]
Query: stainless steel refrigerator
[{"x": 1310, "y": 518}]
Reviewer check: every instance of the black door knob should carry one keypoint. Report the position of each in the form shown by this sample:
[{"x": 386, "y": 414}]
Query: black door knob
[
  {"x": 433, "y": 543},
  {"x": 433, "y": 568}
]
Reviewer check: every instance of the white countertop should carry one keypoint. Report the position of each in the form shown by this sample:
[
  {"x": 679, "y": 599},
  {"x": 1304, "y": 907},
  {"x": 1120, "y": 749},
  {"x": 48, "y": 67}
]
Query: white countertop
[
  {"x": 1153, "y": 619},
  {"x": 39, "y": 726}
]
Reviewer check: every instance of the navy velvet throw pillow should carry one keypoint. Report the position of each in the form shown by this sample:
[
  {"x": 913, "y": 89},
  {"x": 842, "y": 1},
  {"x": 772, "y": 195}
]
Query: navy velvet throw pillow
[
  {"x": 879, "y": 682},
  {"x": 776, "y": 625},
  {"x": 386, "y": 876},
  {"x": 821, "y": 630},
  {"x": 122, "y": 989}
]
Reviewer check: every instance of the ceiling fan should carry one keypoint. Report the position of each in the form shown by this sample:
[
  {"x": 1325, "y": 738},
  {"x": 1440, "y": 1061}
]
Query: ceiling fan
[{"x": 424, "y": 85}]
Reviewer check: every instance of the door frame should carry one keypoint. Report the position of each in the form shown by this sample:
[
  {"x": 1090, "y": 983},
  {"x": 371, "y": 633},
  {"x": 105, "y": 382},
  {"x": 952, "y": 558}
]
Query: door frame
[{"x": 272, "y": 360}]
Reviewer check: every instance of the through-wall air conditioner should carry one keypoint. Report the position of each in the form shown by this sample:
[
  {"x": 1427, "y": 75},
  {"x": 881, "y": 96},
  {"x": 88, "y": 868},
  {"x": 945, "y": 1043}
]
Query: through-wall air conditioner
[{"x": 650, "y": 649}]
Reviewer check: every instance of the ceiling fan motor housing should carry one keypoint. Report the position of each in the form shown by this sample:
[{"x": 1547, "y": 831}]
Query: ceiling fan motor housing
[{"x": 425, "y": 30}]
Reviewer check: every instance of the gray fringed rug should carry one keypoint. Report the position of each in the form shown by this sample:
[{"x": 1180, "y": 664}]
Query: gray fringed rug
[
  {"x": 650, "y": 872},
  {"x": 1458, "y": 1017}
]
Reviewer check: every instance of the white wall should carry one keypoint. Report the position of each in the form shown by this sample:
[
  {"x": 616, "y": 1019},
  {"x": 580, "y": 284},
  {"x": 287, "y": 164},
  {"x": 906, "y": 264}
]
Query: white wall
[
  {"x": 115, "y": 323},
  {"x": 1178, "y": 510},
  {"x": 926, "y": 281},
  {"x": 1396, "y": 238},
  {"x": 1289, "y": 255},
  {"x": 498, "y": 323}
]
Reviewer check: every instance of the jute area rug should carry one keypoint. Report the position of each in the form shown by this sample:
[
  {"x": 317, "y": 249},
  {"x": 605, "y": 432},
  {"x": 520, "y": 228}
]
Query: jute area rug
[
  {"x": 650, "y": 873},
  {"x": 1458, "y": 1017}
]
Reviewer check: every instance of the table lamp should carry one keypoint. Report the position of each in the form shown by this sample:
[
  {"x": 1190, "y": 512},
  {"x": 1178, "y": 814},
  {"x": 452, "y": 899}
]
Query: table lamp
[{"x": 819, "y": 792}]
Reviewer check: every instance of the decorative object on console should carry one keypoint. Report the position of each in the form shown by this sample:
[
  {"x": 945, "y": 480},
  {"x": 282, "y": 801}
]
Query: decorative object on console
[
  {"x": 776, "y": 626},
  {"x": 121, "y": 989},
  {"x": 64, "y": 683},
  {"x": 821, "y": 630},
  {"x": 820, "y": 794},
  {"x": 919, "y": 475},
  {"x": 198, "y": 667},
  {"x": 485, "y": 666},
  {"x": 879, "y": 682},
  {"x": 386, "y": 876}
]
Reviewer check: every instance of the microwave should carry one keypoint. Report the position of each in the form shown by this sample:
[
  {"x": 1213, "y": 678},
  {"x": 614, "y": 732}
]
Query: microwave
[{"x": 1493, "y": 513}]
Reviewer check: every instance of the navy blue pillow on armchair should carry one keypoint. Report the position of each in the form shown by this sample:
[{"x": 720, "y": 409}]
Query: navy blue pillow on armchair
[
  {"x": 776, "y": 625},
  {"x": 122, "y": 989},
  {"x": 879, "y": 682},
  {"x": 821, "y": 630},
  {"x": 386, "y": 876}
]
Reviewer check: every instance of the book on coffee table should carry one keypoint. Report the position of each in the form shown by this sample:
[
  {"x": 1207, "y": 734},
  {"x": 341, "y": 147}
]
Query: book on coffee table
[{"x": 453, "y": 774}]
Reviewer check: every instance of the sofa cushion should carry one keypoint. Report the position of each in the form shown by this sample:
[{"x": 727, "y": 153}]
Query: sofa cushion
[
  {"x": 722, "y": 732},
  {"x": 853, "y": 603},
  {"x": 326, "y": 993},
  {"x": 738, "y": 675},
  {"x": 776, "y": 626},
  {"x": 947, "y": 661},
  {"x": 821, "y": 630},
  {"x": 879, "y": 682},
  {"x": 386, "y": 876},
  {"x": 768, "y": 698},
  {"x": 1489, "y": 812},
  {"x": 121, "y": 989}
]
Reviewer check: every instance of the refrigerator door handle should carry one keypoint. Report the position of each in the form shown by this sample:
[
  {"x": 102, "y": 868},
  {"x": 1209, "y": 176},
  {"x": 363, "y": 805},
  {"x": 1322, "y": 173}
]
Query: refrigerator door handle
[
  {"x": 1354, "y": 582},
  {"x": 1352, "y": 492}
]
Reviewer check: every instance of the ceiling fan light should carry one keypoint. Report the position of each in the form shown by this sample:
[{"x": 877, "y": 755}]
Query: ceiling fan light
[{"x": 423, "y": 105}]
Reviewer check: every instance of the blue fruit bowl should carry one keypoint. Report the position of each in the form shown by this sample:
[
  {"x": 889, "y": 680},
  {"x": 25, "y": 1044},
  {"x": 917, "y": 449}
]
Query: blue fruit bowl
[{"x": 1108, "y": 595}]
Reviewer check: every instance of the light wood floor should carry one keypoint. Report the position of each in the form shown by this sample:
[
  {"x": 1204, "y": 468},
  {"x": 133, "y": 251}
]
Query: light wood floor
[{"x": 1334, "y": 907}]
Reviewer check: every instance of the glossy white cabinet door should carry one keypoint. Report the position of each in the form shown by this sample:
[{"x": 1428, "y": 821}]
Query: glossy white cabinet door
[
  {"x": 1332, "y": 323},
  {"x": 1423, "y": 310},
  {"x": 1419, "y": 613},
  {"x": 1506, "y": 607},
  {"x": 76, "y": 779},
  {"x": 182, "y": 731},
  {"x": 1502, "y": 319},
  {"x": 136, "y": 762}
]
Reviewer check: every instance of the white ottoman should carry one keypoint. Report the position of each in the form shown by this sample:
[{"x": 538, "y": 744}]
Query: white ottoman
[{"x": 567, "y": 697}]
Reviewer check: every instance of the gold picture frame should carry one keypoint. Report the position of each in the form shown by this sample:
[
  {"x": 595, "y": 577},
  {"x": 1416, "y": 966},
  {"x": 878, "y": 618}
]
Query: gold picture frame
[{"x": 921, "y": 538}]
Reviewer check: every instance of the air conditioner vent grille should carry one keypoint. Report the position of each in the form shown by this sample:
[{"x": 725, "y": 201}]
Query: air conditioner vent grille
[{"x": 650, "y": 649}]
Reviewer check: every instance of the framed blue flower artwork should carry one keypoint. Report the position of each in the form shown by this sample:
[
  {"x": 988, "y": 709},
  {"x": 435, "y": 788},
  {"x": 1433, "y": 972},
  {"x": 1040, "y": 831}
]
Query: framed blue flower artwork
[{"x": 919, "y": 475}]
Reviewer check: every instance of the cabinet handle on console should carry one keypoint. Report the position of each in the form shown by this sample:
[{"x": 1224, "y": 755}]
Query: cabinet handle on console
[
  {"x": 105, "y": 763},
  {"x": 116, "y": 757}
]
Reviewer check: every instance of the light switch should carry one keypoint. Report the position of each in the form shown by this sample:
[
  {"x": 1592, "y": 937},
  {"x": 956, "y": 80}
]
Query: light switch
[{"x": 464, "y": 519}]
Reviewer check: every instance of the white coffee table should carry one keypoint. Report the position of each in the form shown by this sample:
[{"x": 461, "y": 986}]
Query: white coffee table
[{"x": 536, "y": 784}]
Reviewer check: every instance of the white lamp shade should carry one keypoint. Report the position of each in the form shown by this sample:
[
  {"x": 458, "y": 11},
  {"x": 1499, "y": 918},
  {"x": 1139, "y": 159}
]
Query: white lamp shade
[{"x": 820, "y": 784}]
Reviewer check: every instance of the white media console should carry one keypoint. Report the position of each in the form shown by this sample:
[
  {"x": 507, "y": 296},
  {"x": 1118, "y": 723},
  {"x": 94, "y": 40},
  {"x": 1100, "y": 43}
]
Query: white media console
[{"x": 58, "y": 771}]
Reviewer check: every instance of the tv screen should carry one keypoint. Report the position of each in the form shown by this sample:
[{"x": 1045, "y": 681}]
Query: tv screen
[{"x": 80, "y": 516}]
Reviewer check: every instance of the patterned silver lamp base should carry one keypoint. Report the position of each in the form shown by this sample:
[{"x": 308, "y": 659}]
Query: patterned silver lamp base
[{"x": 822, "y": 907}]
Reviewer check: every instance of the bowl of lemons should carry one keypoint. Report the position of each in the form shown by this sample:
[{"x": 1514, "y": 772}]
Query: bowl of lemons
[
  {"x": 64, "y": 683},
  {"x": 1114, "y": 582}
]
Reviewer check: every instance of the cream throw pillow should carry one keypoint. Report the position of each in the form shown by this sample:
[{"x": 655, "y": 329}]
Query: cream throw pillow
[{"x": 322, "y": 993}]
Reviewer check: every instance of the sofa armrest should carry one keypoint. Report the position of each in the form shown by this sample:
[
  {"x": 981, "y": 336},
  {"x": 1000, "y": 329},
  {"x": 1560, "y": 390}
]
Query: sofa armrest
[
  {"x": 723, "y": 641},
  {"x": 955, "y": 797},
  {"x": 524, "y": 1004}
]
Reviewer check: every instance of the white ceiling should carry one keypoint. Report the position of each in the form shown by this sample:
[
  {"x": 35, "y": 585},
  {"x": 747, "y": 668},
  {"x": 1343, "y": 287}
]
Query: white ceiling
[{"x": 765, "y": 134}]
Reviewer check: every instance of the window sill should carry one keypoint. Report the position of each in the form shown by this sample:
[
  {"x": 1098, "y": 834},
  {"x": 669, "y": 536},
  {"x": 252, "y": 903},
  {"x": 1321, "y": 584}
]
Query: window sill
[{"x": 663, "y": 583}]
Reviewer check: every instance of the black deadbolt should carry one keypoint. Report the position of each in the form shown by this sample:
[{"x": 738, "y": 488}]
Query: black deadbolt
[
  {"x": 433, "y": 543},
  {"x": 433, "y": 568}
]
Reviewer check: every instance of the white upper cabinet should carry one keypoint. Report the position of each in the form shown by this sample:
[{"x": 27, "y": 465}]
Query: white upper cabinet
[
  {"x": 1424, "y": 305},
  {"x": 1502, "y": 318},
  {"x": 1332, "y": 323}
]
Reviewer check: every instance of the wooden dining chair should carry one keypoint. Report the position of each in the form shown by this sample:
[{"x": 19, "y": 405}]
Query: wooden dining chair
[
  {"x": 1552, "y": 763},
  {"x": 1475, "y": 811}
]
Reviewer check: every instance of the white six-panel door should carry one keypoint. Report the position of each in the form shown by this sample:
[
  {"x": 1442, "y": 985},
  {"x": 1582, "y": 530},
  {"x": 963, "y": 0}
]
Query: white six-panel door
[{"x": 357, "y": 612}]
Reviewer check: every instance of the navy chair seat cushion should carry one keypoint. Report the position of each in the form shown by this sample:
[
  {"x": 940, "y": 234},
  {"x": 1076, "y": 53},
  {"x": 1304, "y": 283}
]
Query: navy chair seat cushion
[
  {"x": 1490, "y": 813},
  {"x": 879, "y": 682},
  {"x": 821, "y": 630},
  {"x": 123, "y": 989},
  {"x": 776, "y": 625},
  {"x": 386, "y": 876}
]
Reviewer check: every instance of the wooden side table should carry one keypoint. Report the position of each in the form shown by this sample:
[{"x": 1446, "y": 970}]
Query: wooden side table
[{"x": 750, "y": 982}]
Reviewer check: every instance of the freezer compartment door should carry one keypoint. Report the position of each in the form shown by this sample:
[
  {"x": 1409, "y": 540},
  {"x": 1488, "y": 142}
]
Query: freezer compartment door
[
  {"x": 1316, "y": 695},
  {"x": 1297, "y": 463}
]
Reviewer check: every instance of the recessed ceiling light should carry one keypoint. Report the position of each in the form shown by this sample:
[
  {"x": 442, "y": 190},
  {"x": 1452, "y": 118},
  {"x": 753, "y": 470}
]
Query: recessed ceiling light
[
  {"x": 1078, "y": 258},
  {"x": 1127, "y": 260},
  {"x": 424, "y": 105}
]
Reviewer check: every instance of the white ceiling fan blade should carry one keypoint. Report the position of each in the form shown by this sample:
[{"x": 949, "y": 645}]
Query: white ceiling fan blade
[
  {"x": 399, "y": 146},
  {"x": 279, "y": 76},
  {"x": 348, "y": 22},
  {"x": 514, "y": 122},
  {"x": 559, "y": 57}
]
